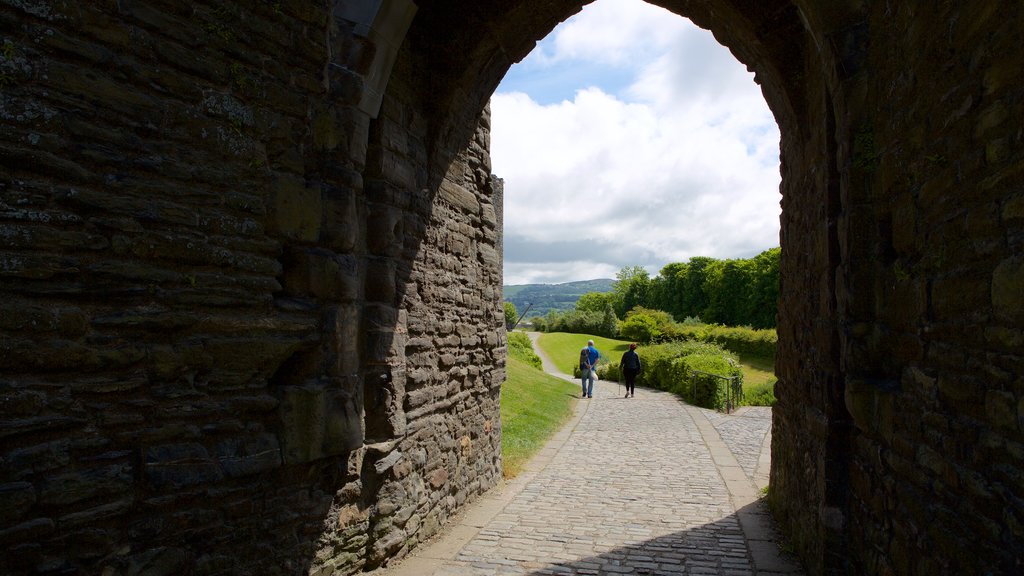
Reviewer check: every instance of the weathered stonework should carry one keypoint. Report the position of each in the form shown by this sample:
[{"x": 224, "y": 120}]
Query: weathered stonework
[{"x": 251, "y": 280}]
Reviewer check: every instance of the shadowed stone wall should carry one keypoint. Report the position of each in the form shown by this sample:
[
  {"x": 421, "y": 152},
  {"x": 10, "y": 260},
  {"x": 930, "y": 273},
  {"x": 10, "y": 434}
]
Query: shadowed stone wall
[
  {"x": 239, "y": 332},
  {"x": 251, "y": 279}
]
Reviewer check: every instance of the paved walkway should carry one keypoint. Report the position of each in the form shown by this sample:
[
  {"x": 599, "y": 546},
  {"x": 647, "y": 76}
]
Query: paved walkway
[{"x": 645, "y": 485}]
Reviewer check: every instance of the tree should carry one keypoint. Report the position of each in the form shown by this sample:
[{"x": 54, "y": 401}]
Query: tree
[
  {"x": 511, "y": 315},
  {"x": 631, "y": 288},
  {"x": 667, "y": 291},
  {"x": 593, "y": 302},
  {"x": 694, "y": 300},
  {"x": 647, "y": 325},
  {"x": 609, "y": 323},
  {"x": 764, "y": 289}
]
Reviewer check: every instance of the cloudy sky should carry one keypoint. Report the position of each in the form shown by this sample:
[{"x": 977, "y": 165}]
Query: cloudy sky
[{"x": 631, "y": 137}]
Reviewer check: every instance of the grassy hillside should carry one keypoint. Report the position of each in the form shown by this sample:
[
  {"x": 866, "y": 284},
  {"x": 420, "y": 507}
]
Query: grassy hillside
[
  {"x": 534, "y": 405},
  {"x": 564, "y": 349}
]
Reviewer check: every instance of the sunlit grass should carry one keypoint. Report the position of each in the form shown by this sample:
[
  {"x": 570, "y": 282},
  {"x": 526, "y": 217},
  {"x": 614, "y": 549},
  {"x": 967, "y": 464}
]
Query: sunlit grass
[
  {"x": 534, "y": 405},
  {"x": 564, "y": 348},
  {"x": 756, "y": 369}
]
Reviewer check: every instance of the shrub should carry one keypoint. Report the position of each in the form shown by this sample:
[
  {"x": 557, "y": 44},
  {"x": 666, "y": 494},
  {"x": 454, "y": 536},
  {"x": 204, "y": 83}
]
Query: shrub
[
  {"x": 640, "y": 328},
  {"x": 671, "y": 367},
  {"x": 760, "y": 395},
  {"x": 743, "y": 340},
  {"x": 580, "y": 322},
  {"x": 520, "y": 347},
  {"x": 609, "y": 371},
  {"x": 709, "y": 391}
]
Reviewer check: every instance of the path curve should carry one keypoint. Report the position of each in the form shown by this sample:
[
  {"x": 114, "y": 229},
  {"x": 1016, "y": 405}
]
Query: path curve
[
  {"x": 645, "y": 485},
  {"x": 546, "y": 362}
]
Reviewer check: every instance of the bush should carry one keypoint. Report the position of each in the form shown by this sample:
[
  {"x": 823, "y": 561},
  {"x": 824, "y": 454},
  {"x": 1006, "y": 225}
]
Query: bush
[
  {"x": 671, "y": 367},
  {"x": 580, "y": 322},
  {"x": 609, "y": 371},
  {"x": 743, "y": 340},
  {"x": 520, "y": 347},
  {"x": 709, "y": 391},
  {"x": 760, "y": 395}
]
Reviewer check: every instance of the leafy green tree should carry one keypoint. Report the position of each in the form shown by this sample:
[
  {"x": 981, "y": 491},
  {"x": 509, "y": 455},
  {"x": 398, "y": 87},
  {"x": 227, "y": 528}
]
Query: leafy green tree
[
  {"x": 640, "y": 328},
  {"x": 667, "y": 291},
  {"x": 511, "y": 315},
  {"x": 694, "y": 300},
  {"x": 630, "y": 290},
  {"x": 764, "y": 289},
  {"x": 593, "y": 302},
  {"x": 647, "y": 325},
  {"x": 609, "y": 323},
  {"x": 727, "y": 284}
]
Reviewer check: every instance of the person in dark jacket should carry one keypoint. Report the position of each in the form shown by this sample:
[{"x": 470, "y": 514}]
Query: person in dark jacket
[{"x": 630, "y": 366}]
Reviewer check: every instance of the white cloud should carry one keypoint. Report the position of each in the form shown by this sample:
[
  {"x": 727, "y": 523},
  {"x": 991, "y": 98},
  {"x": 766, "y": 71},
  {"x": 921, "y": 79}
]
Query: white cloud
[
  {"x": 682, "y": 163},
  {"x": 606, "y": 32}
]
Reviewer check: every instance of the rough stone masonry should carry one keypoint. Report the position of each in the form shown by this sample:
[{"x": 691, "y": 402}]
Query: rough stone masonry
[{"x": 250, "y": 275}]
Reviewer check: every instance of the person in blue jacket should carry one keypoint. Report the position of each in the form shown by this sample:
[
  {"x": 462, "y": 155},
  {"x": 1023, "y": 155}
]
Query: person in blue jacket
[{"x": 589, "y": 357}]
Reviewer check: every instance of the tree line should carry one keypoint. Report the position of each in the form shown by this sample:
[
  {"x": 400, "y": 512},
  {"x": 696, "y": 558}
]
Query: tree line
[{"x": 733, "y": 292}]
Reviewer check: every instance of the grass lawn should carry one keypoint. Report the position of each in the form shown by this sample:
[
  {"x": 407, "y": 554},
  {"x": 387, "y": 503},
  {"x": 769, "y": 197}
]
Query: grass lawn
[
  {"x": 534, "y": 405},
  {"x": 564, "y": 348},
  {"x": 756, "y": 369}
]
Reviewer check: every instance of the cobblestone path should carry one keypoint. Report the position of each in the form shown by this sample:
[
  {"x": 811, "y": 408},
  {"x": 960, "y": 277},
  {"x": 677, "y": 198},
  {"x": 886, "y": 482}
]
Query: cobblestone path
[{"x": 645, "y": 485}]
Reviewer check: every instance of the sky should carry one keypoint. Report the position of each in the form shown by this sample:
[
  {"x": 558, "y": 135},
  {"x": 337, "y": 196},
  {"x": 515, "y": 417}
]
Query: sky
[{"x": 631, "y": 137}]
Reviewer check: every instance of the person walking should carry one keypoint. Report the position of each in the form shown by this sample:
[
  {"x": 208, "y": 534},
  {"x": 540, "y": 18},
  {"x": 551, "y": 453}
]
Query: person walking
[
  {"x": 588, "y": 368},
  {"x": 630, "y": 366}
]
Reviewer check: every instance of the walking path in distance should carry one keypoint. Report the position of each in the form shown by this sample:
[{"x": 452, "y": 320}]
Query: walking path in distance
[{"x": 644, "y": 485}]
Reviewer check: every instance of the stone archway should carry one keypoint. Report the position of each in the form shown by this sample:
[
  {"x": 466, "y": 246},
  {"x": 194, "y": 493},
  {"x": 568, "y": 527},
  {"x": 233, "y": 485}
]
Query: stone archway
[
  {"x": 863, "y": 289},
  {"x": 453, "y": 76},
  {"x": 251, "y": 279}
]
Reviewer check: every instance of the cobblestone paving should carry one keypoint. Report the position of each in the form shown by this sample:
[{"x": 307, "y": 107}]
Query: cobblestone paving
[
  {"x": 743, "y": 433},
  {"x": 634, "y": 491}
]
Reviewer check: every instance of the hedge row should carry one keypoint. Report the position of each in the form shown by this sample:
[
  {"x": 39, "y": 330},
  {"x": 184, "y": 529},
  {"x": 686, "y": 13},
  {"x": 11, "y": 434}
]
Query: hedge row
[
  {"x": 676, "y": 366},
  {"x": 520, "y": 347},
  {"x": 738, "y": 339}
]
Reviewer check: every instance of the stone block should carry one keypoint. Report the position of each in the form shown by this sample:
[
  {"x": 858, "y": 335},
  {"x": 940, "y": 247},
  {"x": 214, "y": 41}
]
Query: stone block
[
  {"x": 319, "y": 421},
  {"x": 16, "y": 498},
  {"x": 381, "y": 281},
  {"x": 384, "y": 230},
  {"x": 177, "y": 466},
  {"x": 459, "y": 197},
  {"x": 342, "y": 222},
  {"x": 1001, "y": 409},
  {"x": 323, "y": 274},
  {"x": 160, "y": 561},
  {"x": 30, "y": 530},
  {"x": 249, "y": 455},
  {"x": 1008, "y": 288},
  {"x": 341, "y": 336},
  {"x": 297, "y": 210},
  {"x": 64, "y": 489}
]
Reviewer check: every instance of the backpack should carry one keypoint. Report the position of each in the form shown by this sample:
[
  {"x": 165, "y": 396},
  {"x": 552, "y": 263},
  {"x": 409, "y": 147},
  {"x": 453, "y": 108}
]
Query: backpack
[{"x": 584, "y": 359}]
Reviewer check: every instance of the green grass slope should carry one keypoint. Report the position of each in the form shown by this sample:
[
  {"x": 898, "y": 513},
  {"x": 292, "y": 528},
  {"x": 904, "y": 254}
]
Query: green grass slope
[
  {"x": 534, "y": 405},
  {"x": 564, "y": 348}
]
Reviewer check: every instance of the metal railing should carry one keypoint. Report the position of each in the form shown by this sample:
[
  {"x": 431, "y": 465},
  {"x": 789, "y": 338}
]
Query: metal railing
[{"x": 733, "y": 392}]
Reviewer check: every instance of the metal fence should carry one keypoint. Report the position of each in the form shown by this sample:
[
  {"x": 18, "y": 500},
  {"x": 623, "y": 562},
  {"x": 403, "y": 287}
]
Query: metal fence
[{"x": 733, "y": 389}]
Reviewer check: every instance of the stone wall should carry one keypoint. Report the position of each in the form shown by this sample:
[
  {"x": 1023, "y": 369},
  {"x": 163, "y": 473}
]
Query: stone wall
[
  {"x": 251, "y": 279},
  {"x": 238, "y": 332},
  {"x": 934, "y": 347}
]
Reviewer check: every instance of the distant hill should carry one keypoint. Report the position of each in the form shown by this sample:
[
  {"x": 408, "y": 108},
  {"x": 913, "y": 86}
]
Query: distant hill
[{"x": 558, "y": 297}]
